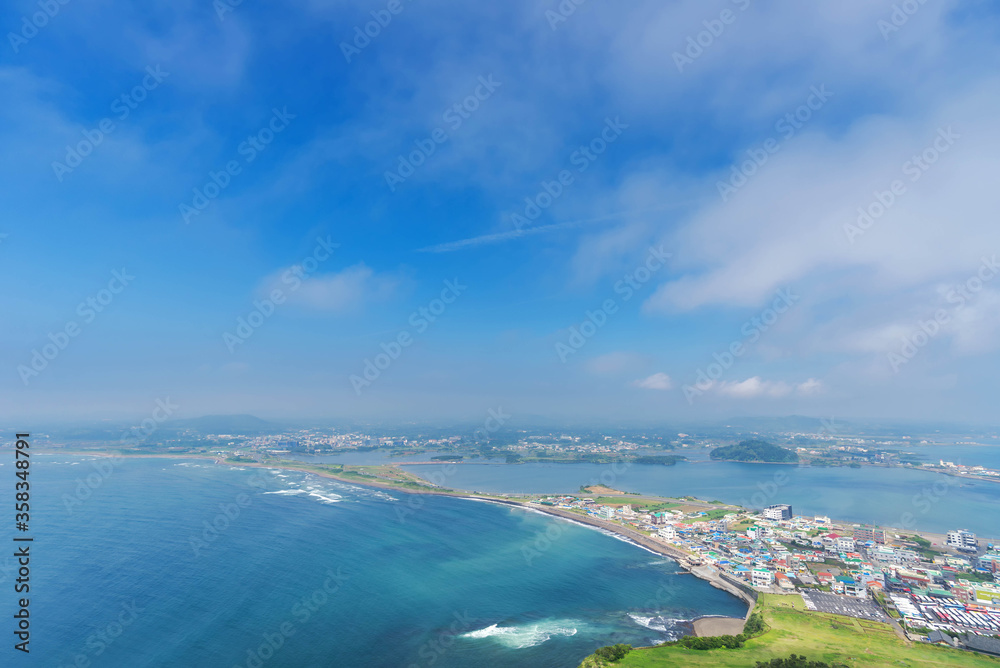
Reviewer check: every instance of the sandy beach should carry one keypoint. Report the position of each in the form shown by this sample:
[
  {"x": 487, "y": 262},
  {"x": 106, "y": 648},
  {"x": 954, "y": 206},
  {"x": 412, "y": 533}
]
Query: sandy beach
[{"x": 718, "y": 626}]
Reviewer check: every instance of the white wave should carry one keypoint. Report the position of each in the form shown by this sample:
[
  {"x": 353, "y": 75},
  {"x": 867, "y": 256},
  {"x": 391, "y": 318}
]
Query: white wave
[
  {"x": 529, "y": 635},
  {"x": 288, "y": 491},
  {"x": 656, "y": 622},
  {"x": 327, "y": 499}
]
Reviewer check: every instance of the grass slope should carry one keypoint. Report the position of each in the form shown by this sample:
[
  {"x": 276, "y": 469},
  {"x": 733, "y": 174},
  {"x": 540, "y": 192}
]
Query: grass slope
[{"x": 818, "y": 636}]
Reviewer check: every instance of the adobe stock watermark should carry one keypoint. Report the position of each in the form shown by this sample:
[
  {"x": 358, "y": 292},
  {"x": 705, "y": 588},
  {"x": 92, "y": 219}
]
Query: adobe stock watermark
[
  {"x": 828, "y": 426},
  {"x": 627, "y": 287},
  {"x": 914, "y": 168},
  {"x": 301, "y": 612},
  {"x": 543, "y": 541},
  {"x": 420, "y": 320},
  {"x": 227, "y": 515},
  {"x": 493, "y": 423},
  {"x": 415, "y": 502},
  {"x": 30, "y": 25},
  {"x": 960, "y": 295},
  {"x": 88, "y": 311},
  {"x": 751, "y": 330},
  {"x": 436, "y": 647},
  {"x": 363, "y": 35},
  {"x": 264, "y": 308},
  {"x": 142, "y": 432},
  {"x": 923, "y": 501},
  {"x": 581, "y": 158},
  {"x": 562, "y": 12},
  {"x": 704, "y": 39},
  {"x": 104, "y": 637},
  {"x": 105, "y": 466},
  {"x": 122, "y": 107},
  {"x": 223, "y": 7},
  {"x": 766, "y": 491},
  {"x": 899, "y": 17},
  {"x": 787, "y": 127},
  {"x": 249, "y": 149},
  {"x": 454, "y": 116}
]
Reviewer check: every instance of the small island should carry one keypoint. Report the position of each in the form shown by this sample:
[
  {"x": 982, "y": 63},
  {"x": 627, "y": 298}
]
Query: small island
[{"x": 756, "y": 451}]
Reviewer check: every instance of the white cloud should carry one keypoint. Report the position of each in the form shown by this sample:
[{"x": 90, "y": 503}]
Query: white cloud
[
  {"x": 739, "y": 251},
  {"x": 342, "y": 291},
  {"x": 752, "y": 388},
  {"x": 811, "y": 386},
  {"x": 658, "y": 381},
  {"x": 755, "y": 387}
]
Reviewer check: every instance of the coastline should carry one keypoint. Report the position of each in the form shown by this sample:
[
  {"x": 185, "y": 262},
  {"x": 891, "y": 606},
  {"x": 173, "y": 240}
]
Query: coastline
[
  {"x": 304, "y": 467},
  {"x": 682, "y": 558},
  {"x": 685, "y": 560}
]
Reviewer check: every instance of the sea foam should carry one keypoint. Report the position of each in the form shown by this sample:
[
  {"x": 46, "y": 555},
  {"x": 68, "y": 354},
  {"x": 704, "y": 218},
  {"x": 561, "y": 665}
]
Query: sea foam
[{"x": 528, "y": 635}]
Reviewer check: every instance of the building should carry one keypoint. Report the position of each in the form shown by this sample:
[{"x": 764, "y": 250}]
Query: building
[
  {"x": 990, "y": 562},
  {"x": 761, "y": 577},
  {"x": 961, "y": 539},
  {"x": 778, "y": 512},
  {"x": 982, "y": 644},
  {"x": 866, "y": 533},
  {"x": 668, "y": 532},
  {"x": 845, "y": 544},
  {"x": 606, "y": 513}
]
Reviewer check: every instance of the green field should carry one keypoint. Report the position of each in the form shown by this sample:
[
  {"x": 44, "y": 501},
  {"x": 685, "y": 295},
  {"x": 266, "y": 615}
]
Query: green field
[
  {"x": 709, "y": 515},
  {"x": 820, "y": 637},
  {"x": 636, "y": 502}
]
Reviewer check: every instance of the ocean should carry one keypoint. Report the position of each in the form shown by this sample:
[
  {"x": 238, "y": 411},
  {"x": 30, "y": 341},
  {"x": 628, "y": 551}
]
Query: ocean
[{"x": 168, "y": 562}]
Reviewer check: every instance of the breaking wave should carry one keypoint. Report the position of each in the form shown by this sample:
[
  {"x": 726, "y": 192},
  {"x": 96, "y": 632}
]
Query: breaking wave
[{"x": 527, "y": 635}]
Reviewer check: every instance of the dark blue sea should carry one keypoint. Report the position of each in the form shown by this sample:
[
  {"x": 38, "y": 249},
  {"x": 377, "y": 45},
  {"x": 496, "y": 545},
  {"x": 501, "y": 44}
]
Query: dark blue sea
[{"x": 166, "y": 562}]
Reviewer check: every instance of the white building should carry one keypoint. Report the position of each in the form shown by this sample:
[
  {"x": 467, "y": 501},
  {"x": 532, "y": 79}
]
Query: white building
[
  {"x": 845, "y": 544},
  {"x": 606, "y": 513},
  {"x": 668, "y": 532},
  {"x": 761, "y": 577},
  {"x": 962, "y": 540},
  {"x": 778, "y": 512}
]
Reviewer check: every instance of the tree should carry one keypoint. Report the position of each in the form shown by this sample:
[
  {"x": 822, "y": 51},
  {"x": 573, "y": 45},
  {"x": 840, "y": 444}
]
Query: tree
[{"x": 613, "y": 653}]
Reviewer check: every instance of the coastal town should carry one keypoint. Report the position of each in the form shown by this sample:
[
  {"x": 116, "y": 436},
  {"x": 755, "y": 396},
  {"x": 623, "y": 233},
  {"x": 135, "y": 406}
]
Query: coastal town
[{"x": 941, "y": 592}]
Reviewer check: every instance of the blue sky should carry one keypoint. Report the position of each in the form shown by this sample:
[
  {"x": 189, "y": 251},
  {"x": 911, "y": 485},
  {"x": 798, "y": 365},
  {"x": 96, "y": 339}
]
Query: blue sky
[{"x": 544, "y": 162}]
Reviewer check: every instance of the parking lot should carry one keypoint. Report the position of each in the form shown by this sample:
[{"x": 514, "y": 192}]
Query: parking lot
[{"x": 843, "y": 605}]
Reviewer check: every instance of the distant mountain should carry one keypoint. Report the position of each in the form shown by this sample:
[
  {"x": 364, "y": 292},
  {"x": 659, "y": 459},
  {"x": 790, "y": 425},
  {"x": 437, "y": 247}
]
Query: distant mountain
[
  {"x": 787, "y": 423},
  {"x": 226, "y": 424},
  {"x": 754, "y": 451}
]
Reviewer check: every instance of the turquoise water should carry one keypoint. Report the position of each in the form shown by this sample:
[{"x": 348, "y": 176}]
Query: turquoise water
[
  {"x": 896, "y": 497},
  {"x": 329, "y": 574}
]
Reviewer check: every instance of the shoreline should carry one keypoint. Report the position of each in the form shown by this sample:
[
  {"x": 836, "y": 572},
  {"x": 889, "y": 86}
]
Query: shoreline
[
  {"x": 931, "y": 535},
  {"x": 631, "y": 536}
]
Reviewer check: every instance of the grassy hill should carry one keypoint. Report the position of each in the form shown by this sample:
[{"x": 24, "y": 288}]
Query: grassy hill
[
  {"x": 754, "y": 451},
  {"x": 818, "y": 636}
]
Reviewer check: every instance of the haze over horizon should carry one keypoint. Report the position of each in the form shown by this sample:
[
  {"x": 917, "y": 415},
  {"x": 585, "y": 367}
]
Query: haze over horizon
[{"x": 578, "y": 220}]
